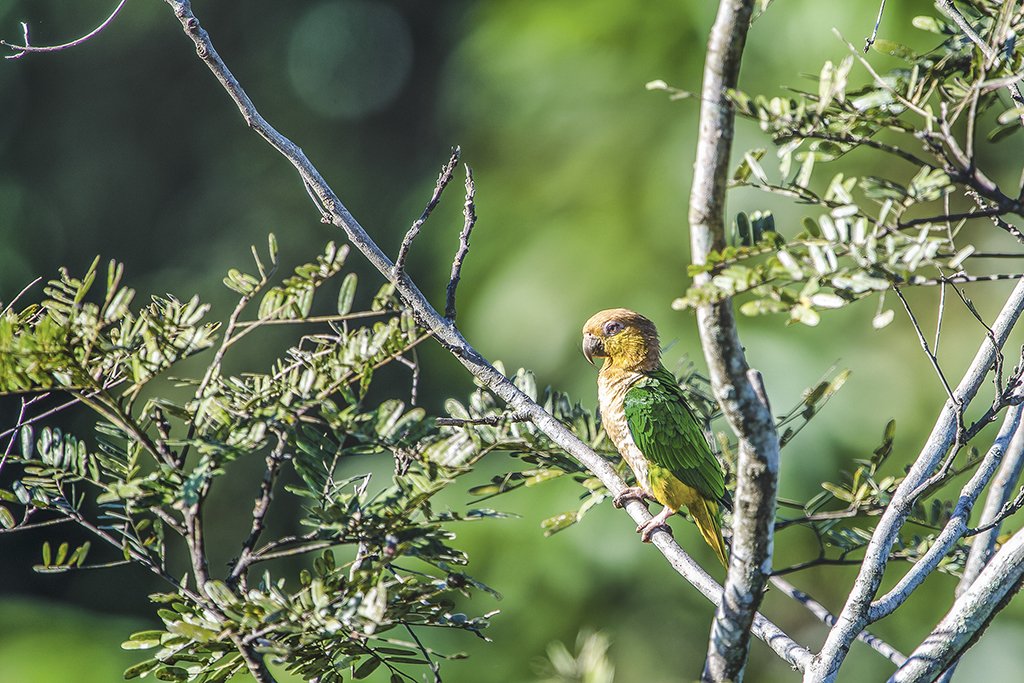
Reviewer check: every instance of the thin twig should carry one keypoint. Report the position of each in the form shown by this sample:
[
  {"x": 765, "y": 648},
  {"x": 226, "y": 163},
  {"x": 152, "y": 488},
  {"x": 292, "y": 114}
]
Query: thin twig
[
  {"x": 469, "y": 212},
  {"x": 442, "y": 182},
  {"x": 435, "y": 668},
  {"x": 22, "y": 50},
  {"x": 927, "y": 350},
  {"x": 966, "y": 215},
  {"x": 259, "y": 511},
  {"x": 316, "y": 319},
  {"x": 492, "y": 420},
  {"x": 868, "y": 42},
  {"x": 20, "y": 294}
]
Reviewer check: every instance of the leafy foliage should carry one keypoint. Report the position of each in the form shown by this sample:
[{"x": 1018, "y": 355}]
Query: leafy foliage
[
  {"x": 896, "y": 226},
  {"x": 141, "y": 479}
]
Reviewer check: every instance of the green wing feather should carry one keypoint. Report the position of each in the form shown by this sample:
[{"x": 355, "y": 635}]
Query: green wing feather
[{"x": 666, "y": 431}]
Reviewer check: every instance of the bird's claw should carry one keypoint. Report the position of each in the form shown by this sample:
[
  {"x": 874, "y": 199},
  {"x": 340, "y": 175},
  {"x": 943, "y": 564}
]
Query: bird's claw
[
  {"x": 631, "y": 493},
  {"x": 647, "y": 530}
]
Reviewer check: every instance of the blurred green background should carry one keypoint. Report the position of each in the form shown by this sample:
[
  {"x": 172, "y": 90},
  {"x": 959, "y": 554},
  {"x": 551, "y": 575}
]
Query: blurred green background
[{"x": 127, "y": 147}]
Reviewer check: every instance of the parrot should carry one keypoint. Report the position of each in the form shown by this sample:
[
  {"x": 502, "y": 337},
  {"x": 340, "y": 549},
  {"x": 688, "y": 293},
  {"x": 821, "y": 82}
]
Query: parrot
[{"x": 646, "y": 416}]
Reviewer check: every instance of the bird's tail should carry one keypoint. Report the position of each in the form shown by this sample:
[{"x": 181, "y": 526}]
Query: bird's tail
[{"x": 709, "y": 523}]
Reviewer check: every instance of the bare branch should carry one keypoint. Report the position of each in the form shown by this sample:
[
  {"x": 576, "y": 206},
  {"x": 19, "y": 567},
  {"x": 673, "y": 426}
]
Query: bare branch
[
  {"x": 955, "y": 528},
  {"x": 854, "y": 616},
  {"x": 22, "y": 50},
  {"x": 969, "y": 616},
  {"x": 259, "y": 512},
  {"x": 414, "y": 230},
  {"x": 449, "y": 336},
  {"x": 492, "y": 420},
  {"x": 747, "y": 413},
  {"x": 821, "y": 612},
  {"x": 998, "y": 507},
  {"x": 469, "y": 211}
]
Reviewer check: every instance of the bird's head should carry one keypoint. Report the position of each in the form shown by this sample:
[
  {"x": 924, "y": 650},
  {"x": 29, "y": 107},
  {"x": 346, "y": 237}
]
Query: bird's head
[{"x": 628, "y": 340}]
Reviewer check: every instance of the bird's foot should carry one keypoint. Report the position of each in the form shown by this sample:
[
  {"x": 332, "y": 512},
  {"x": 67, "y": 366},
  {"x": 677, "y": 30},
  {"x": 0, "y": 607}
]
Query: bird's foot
[
  {"x": 631, "y": 493},
  {"x": 657, "y": 523}
]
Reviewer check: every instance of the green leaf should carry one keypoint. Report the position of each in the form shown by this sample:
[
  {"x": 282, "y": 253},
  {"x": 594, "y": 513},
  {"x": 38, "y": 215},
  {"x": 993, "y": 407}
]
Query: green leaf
[
  {"x": 1004, "y": 131},
  {"x": 894, "y": 49},
  {"x": 27, "y": 440},
  {"x": 140, "y": 644},
  {"x": 347, "y": 294},
  {"x": 172, "y": 673},
  {"x": 7, "y": 520},
  {"x": 930, "y": 24},
  {"x": 552, "y": 525},
  {"x": 366, "y": 668},
  {"x": 140, "y": 669}
]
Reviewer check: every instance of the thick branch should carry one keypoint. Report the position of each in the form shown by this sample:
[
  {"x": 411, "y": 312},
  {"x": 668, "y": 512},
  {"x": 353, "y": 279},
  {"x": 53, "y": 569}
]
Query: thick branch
[
  {"x": 955, "y": 528},
  {"x": 854, "y": 616},
  {"x": 998, "y": 497},
  {"x": 969, "y": 616},
  {"x": 334, "y": 212},
  {"x": 734, "y": 387}
]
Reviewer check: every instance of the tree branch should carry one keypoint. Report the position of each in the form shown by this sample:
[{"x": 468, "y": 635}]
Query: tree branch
[
  {"x": 21, "y": 50},
  {"x": 969, "y": 616},
  {"x": 335, "y": 213},
  {"x": 259, "y": 512},
  {"x": 734, "y": 386},
  {"x": 854, "y": 616},
  {"x": 992, "y": 516},
  {"x": 414, "y": 230},
  {"x": 469, "y": 211},
  {"x": 955, "y": 528},
  {"x": 821, "y": 612}
]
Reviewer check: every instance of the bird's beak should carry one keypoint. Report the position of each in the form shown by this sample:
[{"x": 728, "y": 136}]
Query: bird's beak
[{"x": 592, "y": 347}]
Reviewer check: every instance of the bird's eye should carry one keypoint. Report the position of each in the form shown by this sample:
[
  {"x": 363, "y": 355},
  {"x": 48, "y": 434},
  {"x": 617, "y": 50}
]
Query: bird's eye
[{"x": 612, "y": 327}]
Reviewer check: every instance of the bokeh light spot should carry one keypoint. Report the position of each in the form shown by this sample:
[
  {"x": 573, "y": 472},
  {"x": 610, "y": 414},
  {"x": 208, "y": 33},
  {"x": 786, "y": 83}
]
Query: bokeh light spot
[{"x": 350, "y": 58}]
